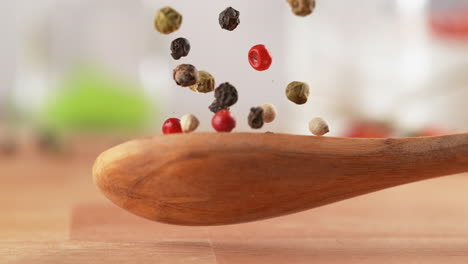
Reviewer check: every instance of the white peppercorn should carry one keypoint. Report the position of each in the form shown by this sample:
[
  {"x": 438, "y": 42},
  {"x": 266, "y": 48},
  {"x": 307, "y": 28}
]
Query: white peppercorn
[
  {"x": 269, "y": 113},
  {"x": 318, "y": 126},
  {"x": 189, "y": 123}
]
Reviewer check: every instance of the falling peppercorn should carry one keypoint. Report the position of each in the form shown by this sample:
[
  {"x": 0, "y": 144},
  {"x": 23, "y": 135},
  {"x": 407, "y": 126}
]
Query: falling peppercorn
[
  {"x": 185, "y": 75},
  {"x": 205, "y": 84},
  {"x": 225, "y": 96},
  {"x": 180, "y": 47},
  {"x": 269, "y": 113},
  {"x": 189, "y": 123},
  {"x": 229, "y": 19},
  {"x": 167, "y": 20},
  {"x": 318, "y": 126},
  {"x": 256, "y": 117},
  {"x": 223, "y": 121},
  {"x": 298, "y": 92},
  {"x": 172, "y": 126},
  {"x": 260, "y": 58},
  {"x": 302, "y": 7},
  {"x": 215, "y": 107}
]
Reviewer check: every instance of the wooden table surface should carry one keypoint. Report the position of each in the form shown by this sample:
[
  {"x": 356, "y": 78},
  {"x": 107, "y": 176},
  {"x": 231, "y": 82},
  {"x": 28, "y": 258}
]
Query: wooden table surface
[{"x": 52, "y": 213}]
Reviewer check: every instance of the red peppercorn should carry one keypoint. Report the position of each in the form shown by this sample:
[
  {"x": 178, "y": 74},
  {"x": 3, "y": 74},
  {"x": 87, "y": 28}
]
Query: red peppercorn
[
  {"x": 260, "y": 58},
  {"x": 172, "y": 126},
  {"x": 223, "y": 121}
]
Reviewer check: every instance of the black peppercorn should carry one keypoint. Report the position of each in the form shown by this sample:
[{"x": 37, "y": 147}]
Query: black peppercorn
[
  {"x": 215, "y": 107},
  {"x": 180, "y": 48},
  {"x": 229, "y": 19},
  {"x": 226, "y": 94},
  {"x": 185, "y": 75},
  {"x": 256, "y": 117}
]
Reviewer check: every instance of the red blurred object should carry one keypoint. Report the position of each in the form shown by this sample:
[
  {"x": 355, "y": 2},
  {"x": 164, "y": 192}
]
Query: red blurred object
[
  {"x": 223, "y": 121},
  {"x": 260, "y": 58},
  {"x": 430, "y": 132},
  {"x": 450, "y": 23},
  {"x": 367, "y": 129},
  {"x": 172, "y": 126}
]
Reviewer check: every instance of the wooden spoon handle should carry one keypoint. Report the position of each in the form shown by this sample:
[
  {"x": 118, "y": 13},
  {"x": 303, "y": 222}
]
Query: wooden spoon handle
[{"x": 214, "y": 179}]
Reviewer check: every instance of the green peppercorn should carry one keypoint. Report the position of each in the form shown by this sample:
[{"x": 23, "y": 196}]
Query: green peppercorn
[
  {"x": 205, "y": 84},
  {"x": 298, "y": 92},
  {"x": 302, "y": 7},
  {"x": 167, "y": 20}
]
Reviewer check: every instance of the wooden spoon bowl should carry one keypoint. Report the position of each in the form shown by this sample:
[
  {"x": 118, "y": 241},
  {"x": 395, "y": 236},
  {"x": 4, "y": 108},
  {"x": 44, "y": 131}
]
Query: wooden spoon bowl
[{"x": 219, "y": 178}]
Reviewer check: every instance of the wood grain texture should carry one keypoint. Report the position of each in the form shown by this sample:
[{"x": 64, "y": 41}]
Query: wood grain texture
[
  {"x": 216, "y": 179},
  {"x": 52, "y": 213}
]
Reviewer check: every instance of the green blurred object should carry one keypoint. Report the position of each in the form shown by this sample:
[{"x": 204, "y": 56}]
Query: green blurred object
[{"x": 90, "y": 100}]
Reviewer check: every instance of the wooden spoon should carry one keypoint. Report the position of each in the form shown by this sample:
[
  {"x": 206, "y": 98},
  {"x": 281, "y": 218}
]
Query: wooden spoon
[{"x": 217, "y": 179}]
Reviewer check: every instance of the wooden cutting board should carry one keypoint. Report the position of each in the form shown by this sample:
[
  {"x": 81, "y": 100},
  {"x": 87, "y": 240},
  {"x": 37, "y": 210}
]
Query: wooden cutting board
[{"x": 56, "y": 215}]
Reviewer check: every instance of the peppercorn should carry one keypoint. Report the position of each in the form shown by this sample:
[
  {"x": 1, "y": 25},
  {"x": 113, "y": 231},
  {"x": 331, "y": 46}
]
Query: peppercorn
[
  {"x": 229, "y": 19},
  {"x": 172, "y": 126},
  {"x": 260, "y": 58},
  {"x": 269, "y": 113},
  {"x": 205, "y": 84},
  {"x": 186, "y": 75},
  {"x": 167, "y": 20},
  {"x": 215, "y": 107},
  {"x": 256, "y": 118},
  {"x": 223, "y": 121},
  {"x": 318, "y": 126},
  {"x": 226, "y": 94},
  {"x": 298, "y": 92},
  {"x": 302, "y": 7},
  {"x": 180, "y": 47},
  {"x": 189, "y": 123}
]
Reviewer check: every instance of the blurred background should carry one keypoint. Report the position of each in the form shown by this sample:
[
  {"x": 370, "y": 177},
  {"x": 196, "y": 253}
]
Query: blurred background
[
  {"x": 78, "y": 76},
  {"x": 386, "y": 67}
]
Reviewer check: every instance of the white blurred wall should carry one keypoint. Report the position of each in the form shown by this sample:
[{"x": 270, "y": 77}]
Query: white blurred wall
[
  {"x": 8, "y": 43},
  {"x": 378, "y": 59}
]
